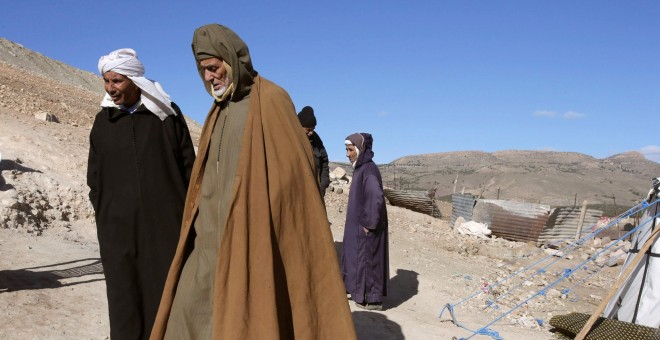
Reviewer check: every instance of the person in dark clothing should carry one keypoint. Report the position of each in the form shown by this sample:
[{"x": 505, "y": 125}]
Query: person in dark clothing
[
  {"x": 365, "y": 259},
  {"x": 308, "y": 122},
  {"x": 140, "y": 162}
]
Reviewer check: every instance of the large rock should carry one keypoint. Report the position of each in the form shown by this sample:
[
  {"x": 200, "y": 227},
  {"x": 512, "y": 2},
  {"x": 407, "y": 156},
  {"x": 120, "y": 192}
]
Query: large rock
[
  {"x": 337, "y": 174},
  {"x": 474, "y": 229},
  {"x": 617, "y": 258},
  {"x": 46, "y": 117}
]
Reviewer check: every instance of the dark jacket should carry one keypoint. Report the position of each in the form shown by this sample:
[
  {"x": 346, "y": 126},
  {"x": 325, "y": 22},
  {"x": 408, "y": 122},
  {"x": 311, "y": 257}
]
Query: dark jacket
[
  {"x": 365, "y": 259},
  {"x": 321, "y": 158},
  {"x": 138, "y": 173}
]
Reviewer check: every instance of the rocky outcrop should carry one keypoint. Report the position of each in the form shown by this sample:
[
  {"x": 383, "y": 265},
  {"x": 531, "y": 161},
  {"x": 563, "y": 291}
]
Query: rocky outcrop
[{"x": 34, "y": 202}]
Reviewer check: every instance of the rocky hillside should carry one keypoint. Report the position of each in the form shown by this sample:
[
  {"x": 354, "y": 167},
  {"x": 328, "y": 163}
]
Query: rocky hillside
[
  {"x": 36, "y": 63},
  {"x": 31, "y": 84},
  {"x": 555, "y": 178}
]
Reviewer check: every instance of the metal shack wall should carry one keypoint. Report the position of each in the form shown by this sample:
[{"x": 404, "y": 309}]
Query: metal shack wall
[
  {"x": 563, "y": 223},
  {"x": 462, "y": 205},
  {"x": 515, "y": 221}
]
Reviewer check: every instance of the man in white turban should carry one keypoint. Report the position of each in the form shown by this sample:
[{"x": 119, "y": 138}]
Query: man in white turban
[
  {"x": 125, "y": 62},
  {"x": 140, "y": 161}
]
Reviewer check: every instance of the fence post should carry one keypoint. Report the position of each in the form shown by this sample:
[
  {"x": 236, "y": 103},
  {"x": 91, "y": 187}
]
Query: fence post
[{"x": 583, "y": 213}]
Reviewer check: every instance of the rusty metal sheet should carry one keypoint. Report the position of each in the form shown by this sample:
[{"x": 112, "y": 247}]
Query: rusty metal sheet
[
  {"x": 520, "y": 221},
  {"x": 515, "y": 221},
  {"x": 415, "y": 201}
]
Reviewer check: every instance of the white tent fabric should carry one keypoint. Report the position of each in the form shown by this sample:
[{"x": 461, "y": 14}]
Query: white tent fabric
[{"x": 638, "y": 300}]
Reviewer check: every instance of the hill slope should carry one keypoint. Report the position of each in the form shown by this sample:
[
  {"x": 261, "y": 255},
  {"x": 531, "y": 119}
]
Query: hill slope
[
  {"x": 555, "y": 178},
  {"x": 31, "y": 83}
]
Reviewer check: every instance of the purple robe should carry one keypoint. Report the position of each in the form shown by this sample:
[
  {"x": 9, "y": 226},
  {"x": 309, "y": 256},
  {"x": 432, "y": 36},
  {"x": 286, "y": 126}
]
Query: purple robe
[{"x": 365, "y": 259}]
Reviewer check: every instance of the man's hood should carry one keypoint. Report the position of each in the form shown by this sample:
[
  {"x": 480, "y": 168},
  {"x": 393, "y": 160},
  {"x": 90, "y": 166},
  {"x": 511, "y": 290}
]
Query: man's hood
[{"x": 218, "y": 41}]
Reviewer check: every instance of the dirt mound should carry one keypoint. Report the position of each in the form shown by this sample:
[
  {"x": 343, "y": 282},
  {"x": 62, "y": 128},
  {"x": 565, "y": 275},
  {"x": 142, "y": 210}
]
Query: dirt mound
[{"x": 43, "y": 177}]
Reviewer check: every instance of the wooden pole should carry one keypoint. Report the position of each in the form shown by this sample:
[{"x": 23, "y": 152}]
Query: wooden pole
[
  {"x": 583, "y": 213},
  {"x": 622, "y": 279},
  {"x": 394, "y": 176}
]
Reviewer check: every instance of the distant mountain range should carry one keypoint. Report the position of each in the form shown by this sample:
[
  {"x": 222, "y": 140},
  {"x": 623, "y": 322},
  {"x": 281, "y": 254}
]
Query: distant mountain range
[
  {"x": 554, "y": 178},
  {"x": 31, "y": 82}
]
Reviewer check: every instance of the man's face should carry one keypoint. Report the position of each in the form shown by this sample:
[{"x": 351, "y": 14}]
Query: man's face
[
  {"x": 216, "y": 74},
  {"x": 308, "y": 131},
  {"x": 121, "y": 89},
  {"x": 351, "y": 152}
]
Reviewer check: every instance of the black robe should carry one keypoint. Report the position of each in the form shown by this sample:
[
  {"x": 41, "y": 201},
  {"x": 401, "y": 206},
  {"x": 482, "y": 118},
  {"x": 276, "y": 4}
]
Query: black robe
[
  {"x": 138, "y": 173},
  {"x": 321, "y": 158}
]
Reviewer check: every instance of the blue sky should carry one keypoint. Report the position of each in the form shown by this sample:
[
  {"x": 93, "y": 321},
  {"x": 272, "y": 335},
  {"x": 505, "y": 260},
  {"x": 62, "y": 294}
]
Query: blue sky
[{"x": 421, "y": 76}]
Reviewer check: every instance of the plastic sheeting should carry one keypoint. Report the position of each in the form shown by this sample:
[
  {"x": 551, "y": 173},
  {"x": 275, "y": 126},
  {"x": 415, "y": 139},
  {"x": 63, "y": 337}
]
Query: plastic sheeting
[{"x": 638, "y": 299}]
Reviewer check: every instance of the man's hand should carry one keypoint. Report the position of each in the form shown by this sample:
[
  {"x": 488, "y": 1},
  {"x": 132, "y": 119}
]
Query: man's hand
[{"x": 366, "y": 231}]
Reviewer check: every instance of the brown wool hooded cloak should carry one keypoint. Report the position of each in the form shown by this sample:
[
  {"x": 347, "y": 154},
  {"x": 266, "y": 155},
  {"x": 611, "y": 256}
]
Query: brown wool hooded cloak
[{"x": 277, "y": 274}]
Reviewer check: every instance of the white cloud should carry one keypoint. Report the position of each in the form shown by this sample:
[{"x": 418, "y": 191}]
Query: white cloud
[
  {"x": 383, "y": 114},
  {"x": 574, "y": 115},
  {"x": 553, "y": 114},
  {"x": 542, "y": 113},
  {"x": 651, "y": 152}
]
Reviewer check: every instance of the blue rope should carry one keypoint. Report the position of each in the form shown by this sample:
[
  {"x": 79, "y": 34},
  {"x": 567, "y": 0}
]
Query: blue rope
[
  {"x": 565, "y": 274},
  {"x": 566, "y": 291},
  {"x": 481, "y": 331},
  {"x": 565, "y": 251},
  {"x": 593, "y": 257},
  {"x": 574, "y": 245}
]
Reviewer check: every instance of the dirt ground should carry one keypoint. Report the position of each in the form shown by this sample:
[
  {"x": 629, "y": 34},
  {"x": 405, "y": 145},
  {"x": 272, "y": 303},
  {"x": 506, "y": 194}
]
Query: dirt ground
[{"x": 52, "y": 284}]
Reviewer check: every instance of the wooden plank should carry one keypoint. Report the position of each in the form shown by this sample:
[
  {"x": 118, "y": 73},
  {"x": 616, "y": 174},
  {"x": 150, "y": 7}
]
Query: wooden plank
[{"x": 622, "y": 279}]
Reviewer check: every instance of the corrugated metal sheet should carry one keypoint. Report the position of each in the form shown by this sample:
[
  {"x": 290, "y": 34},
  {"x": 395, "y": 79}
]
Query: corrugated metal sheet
[
  {"x": 525, "y": 222},
  {"x": 462, "y": 205},
  {"x": 415, "y": 201},
  {"x": 515, "y": 221},
  {"x": 562, "y": 224}
]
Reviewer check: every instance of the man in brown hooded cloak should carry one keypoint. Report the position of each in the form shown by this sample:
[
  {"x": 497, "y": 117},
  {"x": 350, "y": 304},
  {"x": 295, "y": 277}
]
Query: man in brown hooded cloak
[{"x": 255, "y": 259}]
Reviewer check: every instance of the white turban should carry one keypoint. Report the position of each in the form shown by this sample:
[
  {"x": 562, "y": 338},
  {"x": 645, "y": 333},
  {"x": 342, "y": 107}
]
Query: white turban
[{"x": 125, "y": 62}]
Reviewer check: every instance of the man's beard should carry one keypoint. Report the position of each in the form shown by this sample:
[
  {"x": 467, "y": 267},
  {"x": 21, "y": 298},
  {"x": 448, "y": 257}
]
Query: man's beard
[
  {"x": 224, "y": 92},
  {"x": 219, "y": 93}
]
